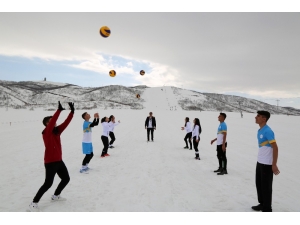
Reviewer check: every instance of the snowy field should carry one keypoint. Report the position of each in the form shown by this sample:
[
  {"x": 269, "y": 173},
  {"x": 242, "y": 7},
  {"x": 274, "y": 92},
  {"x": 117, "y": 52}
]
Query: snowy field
[{"x": 147, "y": 177}]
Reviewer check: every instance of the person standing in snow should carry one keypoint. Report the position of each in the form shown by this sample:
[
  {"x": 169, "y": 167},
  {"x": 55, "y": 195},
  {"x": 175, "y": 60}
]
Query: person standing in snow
[
  {"x": 87, "y": 146},
  {"x": 150, "y": 125},
  {"x": 266, "y": 162},
  {"x": 188, "y": 128},
  {"x": 104, "y": 137},
  {"x": 196, "y": 136},
  {"x": 221, "y": 145},
  {"x": 112, "y": 124},
  {"x": 53, "y": 156}
]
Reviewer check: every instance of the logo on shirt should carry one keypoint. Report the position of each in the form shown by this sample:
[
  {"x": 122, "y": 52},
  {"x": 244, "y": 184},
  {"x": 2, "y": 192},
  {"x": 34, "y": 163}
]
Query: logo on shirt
[{"x": 261, "y": 136}]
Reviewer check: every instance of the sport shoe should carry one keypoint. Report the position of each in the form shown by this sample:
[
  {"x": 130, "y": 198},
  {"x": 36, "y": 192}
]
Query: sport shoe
[
  {"x": 218, "y": 170},
  {"x": 186, "y": 147},
  {"x": 259, "y": 207},
  {"x": 224, "y": 171},
  {"x": 191, "y": 149},
  {"x": 55, "y": 198},
  {"x": 107, "y": 154},
  {"x": 198, "y": 158},
  {"x": 85, "y": 170},
  {"x": 33, "y": 207},
  {"x": 102, "y": 156}
]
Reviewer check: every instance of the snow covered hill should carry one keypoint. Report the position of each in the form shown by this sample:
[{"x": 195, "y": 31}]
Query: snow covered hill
[{"x": 45, "y": 94}]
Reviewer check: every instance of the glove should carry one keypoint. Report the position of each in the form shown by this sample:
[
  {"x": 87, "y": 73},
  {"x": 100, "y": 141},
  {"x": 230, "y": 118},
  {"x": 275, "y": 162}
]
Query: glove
[
  {"x": 71, "y": 106},
  {"x": 60, "y": 107}
]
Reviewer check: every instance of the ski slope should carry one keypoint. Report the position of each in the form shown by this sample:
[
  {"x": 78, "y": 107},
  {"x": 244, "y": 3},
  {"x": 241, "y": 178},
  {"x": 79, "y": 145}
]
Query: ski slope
[
  {"x": 160, "y": 98},
  {"x": 158, "y": 176}
]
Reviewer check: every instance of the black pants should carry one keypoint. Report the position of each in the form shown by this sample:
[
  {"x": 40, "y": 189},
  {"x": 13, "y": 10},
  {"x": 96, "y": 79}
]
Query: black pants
[
  {"x": 188, "y": 137},
  {"x": 105, "y": 143},
  {"x": 148, "y": 132},
  {"x": 264, "y": 181},
  {"x": 112, "y": 136},
  {"x": 87, "y": 158},
  {"x": 195, "y": 143},
  {"x": 53, "y": 168},
  {"x": 222, "y": 156}
]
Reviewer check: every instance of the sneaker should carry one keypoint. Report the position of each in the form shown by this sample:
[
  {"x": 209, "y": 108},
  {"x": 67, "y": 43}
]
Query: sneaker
[
  {"x": 55, "y": 198},
  {"x": 218, "y": 170},
  {"x": 102, "y": 156},
  {"x": 85, "y": 170},
  {"x": 191, "y": 149},
  {"x": 186, "y": 147},
  {"x": 33, "y": 207},
  {"x": 111, "y": 146},
  {"x": 224, "y": 171},
  {"x": 259, "y": 207},
  {"x": 107, "y": 154},
  {"x": 198, "y": 158}
]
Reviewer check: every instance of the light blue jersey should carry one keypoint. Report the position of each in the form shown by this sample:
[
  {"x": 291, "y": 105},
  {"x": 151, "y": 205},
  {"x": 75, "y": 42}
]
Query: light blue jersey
[
  {"x": 220, "y": 134},
  {"x": 87, "y": 147},
  {"x": 265, "y": 137}
]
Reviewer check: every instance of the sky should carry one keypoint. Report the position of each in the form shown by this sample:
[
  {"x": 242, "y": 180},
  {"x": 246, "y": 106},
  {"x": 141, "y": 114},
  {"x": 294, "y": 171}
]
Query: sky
[{"x": 253, "y": 53}]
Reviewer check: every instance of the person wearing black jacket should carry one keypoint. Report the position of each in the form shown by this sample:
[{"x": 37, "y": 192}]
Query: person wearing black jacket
[{"x": 150, "y": 125}]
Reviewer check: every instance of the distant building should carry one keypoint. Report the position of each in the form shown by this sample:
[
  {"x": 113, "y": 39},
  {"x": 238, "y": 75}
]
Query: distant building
[{"x": 45, "y": 79}]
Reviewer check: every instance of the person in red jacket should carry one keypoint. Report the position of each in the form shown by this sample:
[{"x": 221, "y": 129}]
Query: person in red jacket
[{"x": 53, "y": 156}]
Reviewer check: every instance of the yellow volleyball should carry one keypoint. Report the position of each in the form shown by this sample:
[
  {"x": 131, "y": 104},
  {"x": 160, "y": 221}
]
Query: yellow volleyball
[
  {"x": 142, "y": 72},
  {"x": 112, "y": 73},
  {"x": 104, "y": 31}
]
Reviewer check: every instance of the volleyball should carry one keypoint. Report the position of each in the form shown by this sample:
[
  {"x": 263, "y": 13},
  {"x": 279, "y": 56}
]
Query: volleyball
[
  {"x": 142, "y": 72},
  {"x": 105, "y": 31},
  {"x": 112, "y": 73}
]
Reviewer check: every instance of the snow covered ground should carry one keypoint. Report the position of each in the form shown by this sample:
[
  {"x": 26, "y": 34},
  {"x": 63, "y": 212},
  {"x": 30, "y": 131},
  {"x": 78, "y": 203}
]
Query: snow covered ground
[{"x": 147, "y": 177}]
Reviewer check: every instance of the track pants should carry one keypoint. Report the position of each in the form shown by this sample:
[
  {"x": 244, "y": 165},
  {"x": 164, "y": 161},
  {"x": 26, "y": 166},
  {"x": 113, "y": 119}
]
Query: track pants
[
  {"x": 195, "y": 143},
  {"x": 112, "y": 136},
  {"x": 87, "y": 158},
  {"x": 53, "y": 168},
  {"x": 105, "y": 144},
  {"x": 188, "y": 138},
  {"x": 222, "y": 157},
  {"x": 264, "y": 181}
]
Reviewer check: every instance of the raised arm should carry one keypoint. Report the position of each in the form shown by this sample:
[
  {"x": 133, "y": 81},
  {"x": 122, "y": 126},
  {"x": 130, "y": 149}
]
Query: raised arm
[
  {"x": 54, "y": 118},
  {"x": 95, "y": 122},
  {"x": 64, "y": 125}
]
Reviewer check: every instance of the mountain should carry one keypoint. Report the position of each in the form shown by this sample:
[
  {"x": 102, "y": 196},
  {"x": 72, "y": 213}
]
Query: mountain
[{"x": 37, "y": 94}]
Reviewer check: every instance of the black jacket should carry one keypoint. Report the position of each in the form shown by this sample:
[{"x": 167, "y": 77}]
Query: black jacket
[{"x": 153, "y": 122}]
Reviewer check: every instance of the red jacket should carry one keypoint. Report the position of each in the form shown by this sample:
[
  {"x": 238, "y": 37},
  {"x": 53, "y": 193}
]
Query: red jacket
[{"x": 51, "y": 136}]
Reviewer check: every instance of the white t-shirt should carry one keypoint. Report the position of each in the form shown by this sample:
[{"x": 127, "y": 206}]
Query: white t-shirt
[
  {"x": 188, "y": 127},
  {"x": 106, "y": 128},
  {"x": 112, "y": 125},
  {"x": 150, "y": 123}
]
